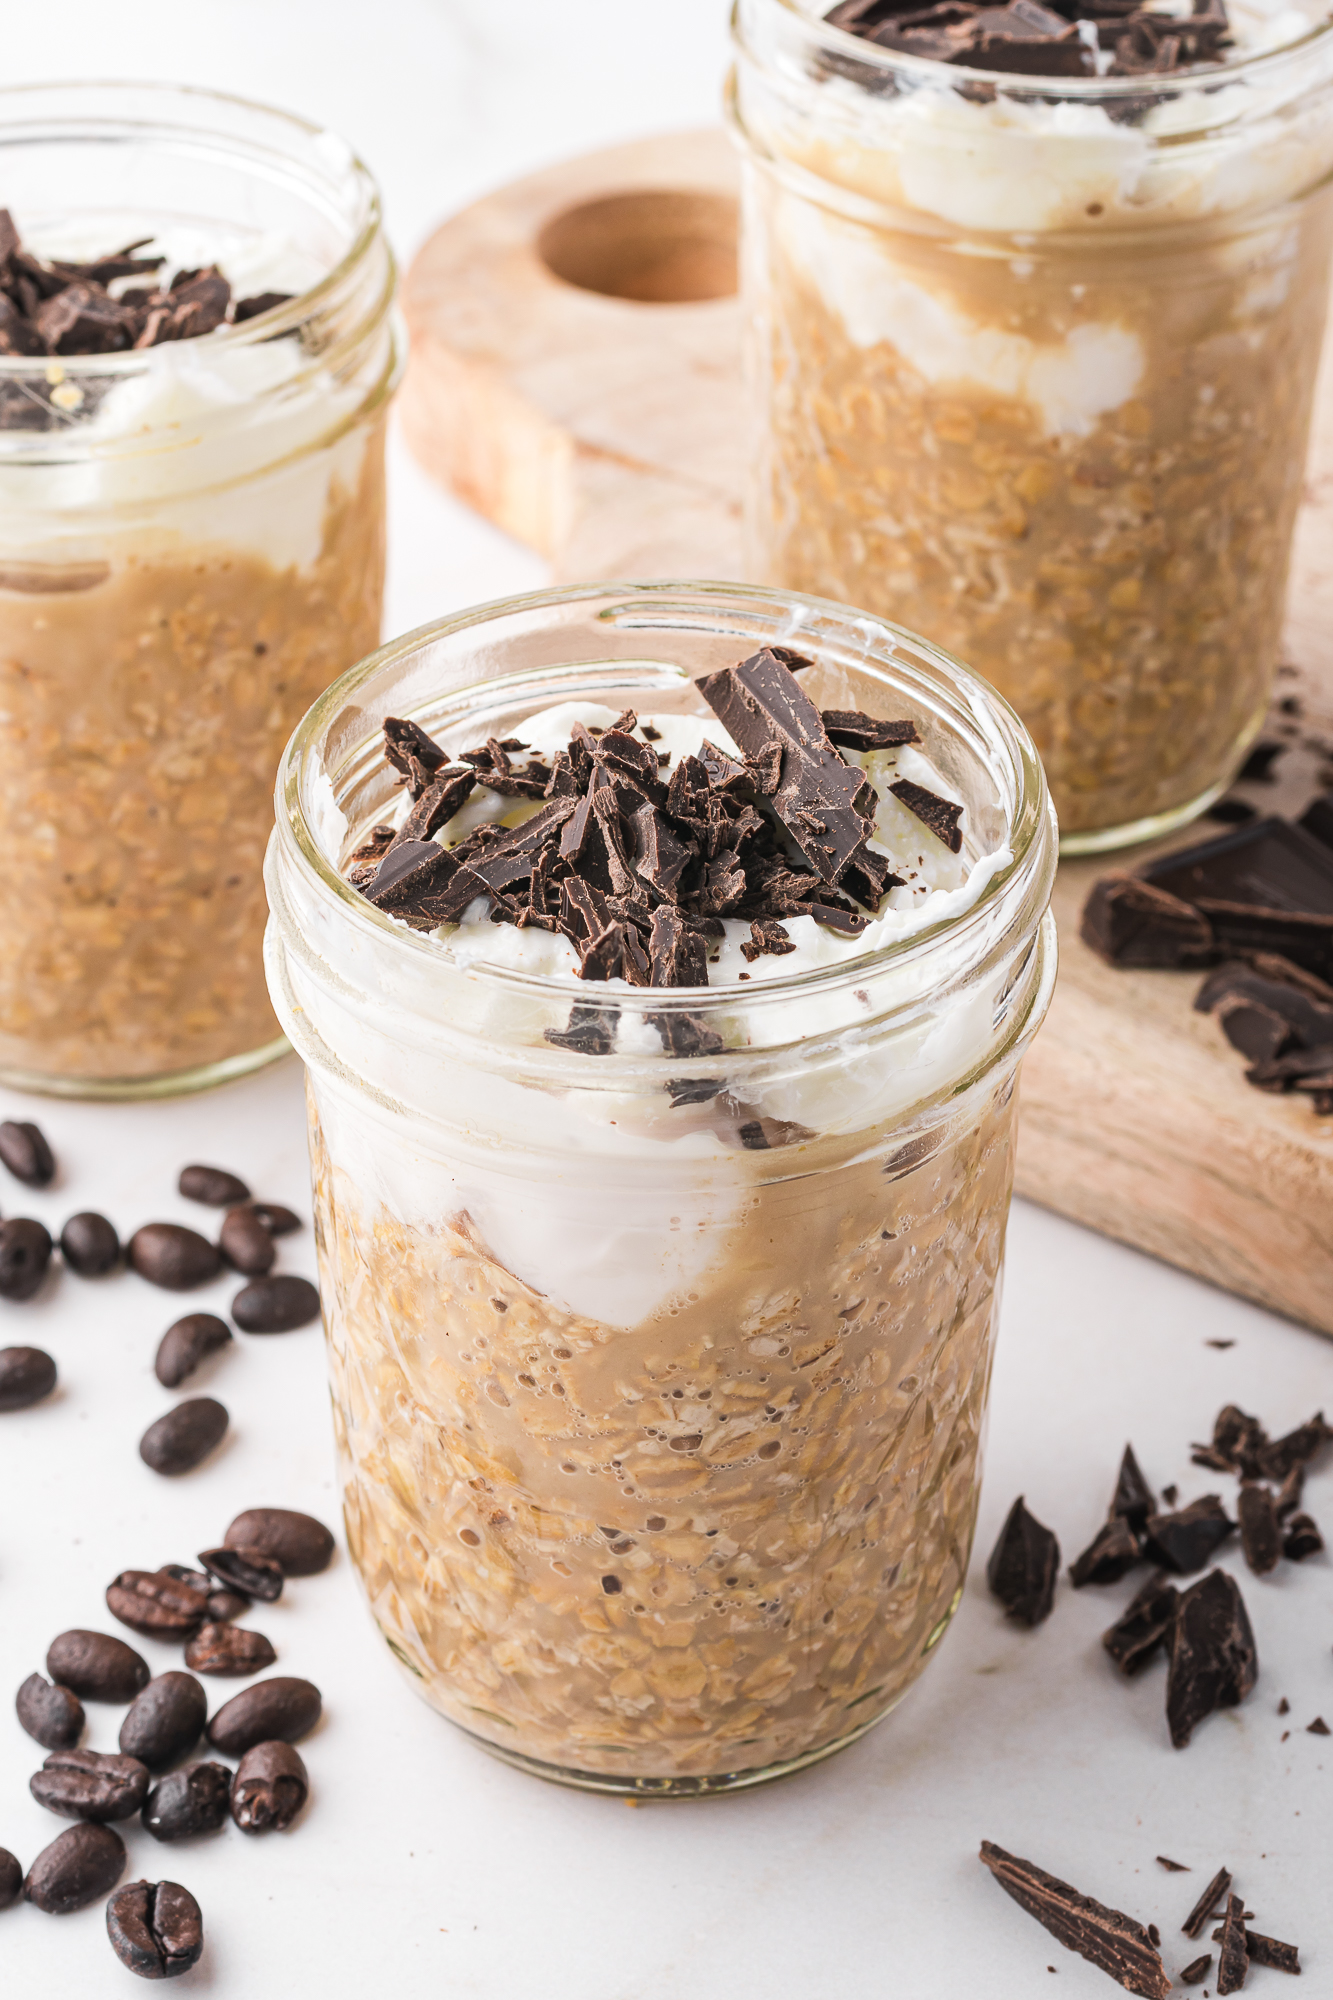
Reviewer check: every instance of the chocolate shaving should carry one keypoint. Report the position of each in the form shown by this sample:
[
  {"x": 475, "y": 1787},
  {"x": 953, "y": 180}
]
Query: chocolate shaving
[
  {"x": 1023, "y": 1567},
  {"x": 591, "y": 1030},
  {"x": 1302, "y": 1539},
  {"x": 1173, "y": 1867},
  {"x": 1185, "y": 1540},
  {"x": 1207, "y": 1904},
  {"x": 1233, "y": 1961},
  {"x": 1260, "y": 1530},
  {"x": 1133, "y": 1497},
  {"x": 1143, "y": 1626},
  {"x": 1213, "y": 1659},
  {"x": 941, "y": 816},
  {"x": 1271, "y": 1952},
  {"x": 1106, "y": 1938},
  {"x": 853, "y": 729},
  {"x": 442, "y": 798}
]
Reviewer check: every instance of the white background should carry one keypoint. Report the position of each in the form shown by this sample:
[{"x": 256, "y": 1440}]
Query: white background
[{"x": 421, "y": 1868}]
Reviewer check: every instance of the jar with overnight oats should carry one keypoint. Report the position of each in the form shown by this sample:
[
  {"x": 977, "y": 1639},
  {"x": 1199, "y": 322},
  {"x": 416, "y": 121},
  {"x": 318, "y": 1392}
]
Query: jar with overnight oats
[
  {"x": 1032, "y": 355},
  {"x": 197, "y": 350},
  {"x": 662, "y": 958}
]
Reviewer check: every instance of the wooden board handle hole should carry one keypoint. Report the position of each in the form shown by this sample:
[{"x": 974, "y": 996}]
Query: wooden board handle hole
[{"x": 655, "y": 247}]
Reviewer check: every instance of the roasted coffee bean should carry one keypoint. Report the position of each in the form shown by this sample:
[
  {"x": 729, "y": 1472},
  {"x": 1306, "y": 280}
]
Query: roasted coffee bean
[
  {"x": 166, "y": 1721},
  {"x": 83, "y": 1784},
  {"x": 11, "y": 1879},
  {"x": 156, "y": 1604},
  {"x": 96, "y": 1666},
  {"x": 25, "y": 1252},
  {"x": 275, "y": 1305},
  {"x": 155, "y": 1929},
  {"x": 51, "y": 1714},
  {"x": 89, "y": 1244},
  {"x": 184, "y": 1437},
  {"x": 246, "y": 1244},
  {"x": 249, "y": 1571},
  {"x": 24, "y": 1150},
  {"x": 186, "y": 1343},
  {"x": 269, "y": 1789},
  {"x": 281, "y": 1710},
  {"x": 193, "y": 1579},
  {"x": 298, "y": 1543},
  {"x": 229, "y": 1650},
  {"x": 80, "y": 1865},
  {"x": 224, "y": 1605},
  {"x": 212, "y": 1185},
  {"x": 172, "y": 1256},
  {"x": 26, "y": 1375},
  {"x": 185, "y": 1803},
  {"x": 278, "y": 1221}
]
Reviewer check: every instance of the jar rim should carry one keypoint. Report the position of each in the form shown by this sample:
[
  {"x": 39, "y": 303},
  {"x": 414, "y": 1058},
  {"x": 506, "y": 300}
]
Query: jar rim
[{"x": 1019, "y": 887}]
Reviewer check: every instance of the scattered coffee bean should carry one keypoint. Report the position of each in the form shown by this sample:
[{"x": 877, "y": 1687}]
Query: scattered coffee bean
[
  {"x": 172, "y": 1256},
  {"x": 186, "y": 1343},
  {"x": 51, "y": 1714},
  {"x": 155, "y": 1929},
  {"x": 246, "y": 1244},
  {"x": 185, "y": 1803},
  {"x": 156, "y": 1604},
  {"x": 1023, "y": 1566},
  {"x": 213, "y": 1186},
  {"x": 25, "y": 1252},
  {"x": 249, "y": 1571},
  {"x": 269, "y": 1789},
  {"x": 95, "y": 1666},
  {"x": 278, "y": 1221},
  {"x": 166, "y": 1721},
  {"x": 24, "y": 1151},
  {"x": 11, "y": 1879},
  {"x": 26, "y": 1375},
  {"x": 89, "y": 1244},
  {"x": 282, "y": 1710},
  {"x": 224, "y": 1605},
  {"x": 299, "y": 1544},
  {"x": 229, "y": 1650},
  {"x": 275, "y": 1305},
  {"x": 83, "y": 1784},
  {"x": 80, "y": 1865},
  {"x": 184, "y": 1437},
  {"x": 193, "y": 1579}
]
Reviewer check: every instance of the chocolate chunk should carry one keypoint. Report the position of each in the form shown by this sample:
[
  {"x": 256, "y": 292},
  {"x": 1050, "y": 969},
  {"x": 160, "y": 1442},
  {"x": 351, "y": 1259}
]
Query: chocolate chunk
[
  {"x": 853, "y": 729},
  {"x": 417, "y": 882},
  {"x": 442, "y": 798},
  {"x": 686, "y": 1034},
  {"x": 767, "y": 935},
  {"x": 1143, "y": 1626},
  {"x": 942, "y": 816},
  {"x": 1106, "y": 1938},
  {"x": 676, "y": 953},
  {"x": 84, "y": 319},
  {"x": 1133, "y": 1499},
  {"x": 1023, "y": 1567},
  {"x": 1213, "y": 1659},
  {"x": 1302, "y": 1539},
  {"x": 1277, "y": 1458},
  {"x": 1233, "y": 1961},
  {"x": 257, "y": 303},
  {"x": 1260, "y": 1531},
  {"x": 1238, "y": 1438},
  {"x": 1272, "y": 1952},
  {"x": 1265, "y": 887},
  {"x": 1318, "y": 1727},
  {"x": 1111, "y": 1554},
  {"x": 1197, "y": 1970},
  {"x": 1131, "y": 923},
  {"x": 1263, "y": 1016},
  {"x": 834, "y": 917},
  {"x": 414, "y": 755},
  {"x": 1207, "y": 1904},
  {"x": 1185, "y": 1540},
  {"x": 1173, "y": 1867}
]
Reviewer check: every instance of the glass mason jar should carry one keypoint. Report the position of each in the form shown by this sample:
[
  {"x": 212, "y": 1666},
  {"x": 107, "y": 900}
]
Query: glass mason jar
[
  {"x": 191, "y": 548},
  {"x": 659, "y": 1382},
  {"x": 1031, "y": 367}
]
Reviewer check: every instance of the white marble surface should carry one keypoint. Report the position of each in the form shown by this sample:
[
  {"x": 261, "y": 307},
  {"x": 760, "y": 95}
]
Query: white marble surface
[{"x": 422, "y": 1868}]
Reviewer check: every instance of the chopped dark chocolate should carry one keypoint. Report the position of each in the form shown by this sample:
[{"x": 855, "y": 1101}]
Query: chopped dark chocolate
[
  {"x": 1261, "y": 1950},
  {"x": 1143, "y": 1626},
  {"x": 1130, "y": 923},
  {"x": 1173, "y": 1867},
  {"x": 1133, "y": 1496},
  {"x": 1233, "y": 1961},
  {"x": 450, "y": 789},
  {"x": 1260, "y": 1530},
  {"x": 1111, "y": 1554},
  {"x": 1290, "y": 1491},
  {"x": 1197, "y": 1970},
  {"x": 1106, "y": 1938},
  {"x": 1263, "y": 1016},
  {"x": 591, "y": 1030},
  {"x": 1213, "y": 1659},
  {"x": 1256, "y": 885},
  {"x": 1238, "y": 1438},
  {"x": 1207, "y": 1904},
  {"x": 941, "y": 816},
  {"x": 257, "y": 303},
  {"x": 1278, "y": 1457},
  {"x": 374, "y": 847},
  {"x": 1302, "y": 1539},
  {"x": 1317, "y": 819},
  {"x": 1185, "y": 1540},
  {"x": 414, "y": 755},
  {"x": 1023, "y": 1567},
  {"x": 1028, "y": 39},
  {"x": 767, "y": 935},
  {"x": 853, "y": 729},
  {"x": 1318, "y": 1727}
]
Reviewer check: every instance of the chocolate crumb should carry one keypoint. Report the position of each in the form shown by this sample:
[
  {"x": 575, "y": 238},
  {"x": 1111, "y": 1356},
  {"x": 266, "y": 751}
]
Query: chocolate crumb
[
  {"x": 1197, "y": 1970},
  {"x": 1106, "y": 1938},
  {"x": 1207, "y": 1904},
  {"x": 1284, "y": 1706},
  {"x": 1170, "y": 1494},
  {"x": 1111, "y": 1554},
  {"x": 1023, "y": 1567},
  {"x": 1133, "y": 1498},
  {"x": 1173, "y": 1867},
  {"x": 1318, "y": 1727}
]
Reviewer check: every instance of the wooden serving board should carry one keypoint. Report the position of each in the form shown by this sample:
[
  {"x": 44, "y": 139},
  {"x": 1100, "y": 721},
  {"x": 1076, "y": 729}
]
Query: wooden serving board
[{"x": 575, "y": 376}]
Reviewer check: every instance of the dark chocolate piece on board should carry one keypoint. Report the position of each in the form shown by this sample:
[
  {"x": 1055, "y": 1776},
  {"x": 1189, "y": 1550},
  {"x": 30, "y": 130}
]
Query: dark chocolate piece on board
[
  {"x": 1111, "y": 1554},
  {"x": 1128, "y": 922},
  {"x": 1106, "y": 1938},
  {"x": 1233, "y": 1961},
  {"x": 1023, "y": 1567},
  {"x": 1262, "y": 1015},
  {"x": 1133, "y": 1497},
  {"x": 1302, "y": 1539},
  {"x": 1213, "y": 1663},
  {"x": 941, "y": 816},
  {"x": 1260, "y": 1530},
  {"x": 1261, "y": 1950},
  {"x": 1238, "y": 1437},
  {"x": 853, "y": 729},
  {"x": 1197, "y": 1970},
  {"x": 1185, "y": 1540},
  {"x": 1207, "y": 1904},
  {"x": 1270, "y": 864},
  {"x": 1143, "y": 1625}
]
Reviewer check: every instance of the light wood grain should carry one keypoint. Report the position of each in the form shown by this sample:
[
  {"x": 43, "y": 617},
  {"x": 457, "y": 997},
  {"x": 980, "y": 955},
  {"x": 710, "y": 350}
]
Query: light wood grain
[{"x": 606, "y": 432}]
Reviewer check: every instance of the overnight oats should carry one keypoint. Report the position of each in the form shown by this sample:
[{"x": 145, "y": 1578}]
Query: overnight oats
[
  {"x": 1036, "y": 299},
  {"x": 197, "y": 349},
  {"x": 662, "y": 959}
]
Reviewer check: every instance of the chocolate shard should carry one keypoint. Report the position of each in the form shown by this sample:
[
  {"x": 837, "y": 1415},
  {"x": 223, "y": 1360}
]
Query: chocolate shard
[
  {"x": 767, "y": 936},
  {"x": 941, "y": 816},
  {"x": 694, "y": 1089},
  {"x": 1207, "y": 1904},
  {"x": 1261, "y": 1950},
  {"x": 405, "y": 867},
  {"x": 1173, "y": 1867},
  {"x": 868, "y": 876},
  {"x": 1233, "y": 1961},
  {"x": 1023, "y": 1567},
  {"x": 1265, "y": 887},
  {"x": 1260, "y": 1530},
  {"x": 1302, "y": 1539},
  {"x": 853, "y": 729},
  {"x": 1143, "y": 1626},
  {"x": 1290, "y": 1491},
  {"x": 834, "y": 917},
  {"x": 374, "y": 847},
  {"x": 1111, "y": 1554},
  {"x": 657, "y": 856},
  {"x": 509, "y": 857},
  {"x": 1213, "y": 1662},
  {"x": 676, "y": 953},
  {"x": 1106, "y": 1938},
  {"x": 1185, "y": 1540},
  {"x": 1277, "y": 1458},
  {"x": 1131, "y": 923},
  {"x": 591, "y": 1030},
  {"x": 414, "y": 755},
  {"x": 257, "y": 303},
  {"x": 83, "y": 319},
  {"x": 442, "y": 798},
  {"x": 686, "y": 1034},
  {"x": 1318, "y": 1727},
  {"x": 1197, "y": 1970},
  {"x": 1238, "y": 1438},
  {"x": 1133, "y": 1498},
  {"x": 1263, "y": 1016}
]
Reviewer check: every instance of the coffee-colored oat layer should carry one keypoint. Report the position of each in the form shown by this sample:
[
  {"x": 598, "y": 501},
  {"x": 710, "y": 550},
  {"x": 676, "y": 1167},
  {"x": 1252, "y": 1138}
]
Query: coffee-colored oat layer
[
  {"x": 1122, "y": 588},
  {"x": 720, "y": 1541},
  {"x": 143, "y": 712}
]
